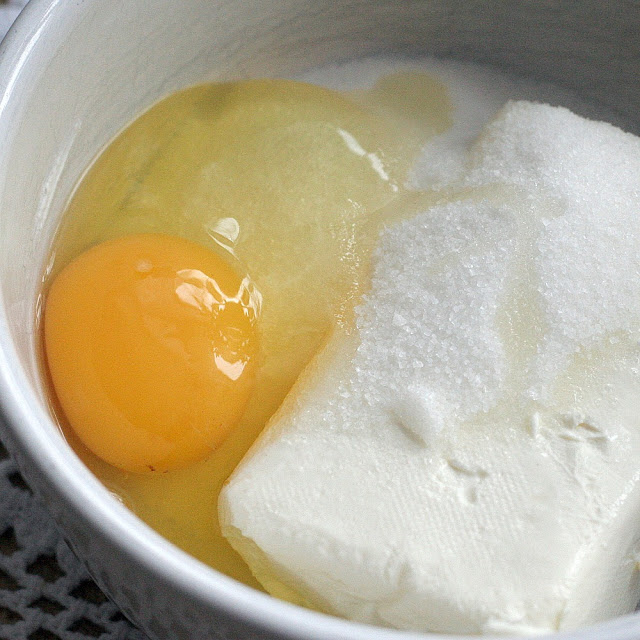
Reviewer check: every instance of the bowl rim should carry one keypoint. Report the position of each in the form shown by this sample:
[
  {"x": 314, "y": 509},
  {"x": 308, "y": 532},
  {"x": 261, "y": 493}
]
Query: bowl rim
[{"x": 35, "y": 434}]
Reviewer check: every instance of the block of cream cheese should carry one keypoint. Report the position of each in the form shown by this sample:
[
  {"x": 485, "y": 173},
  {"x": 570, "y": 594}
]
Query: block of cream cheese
[{"x": 467, "y": 459}]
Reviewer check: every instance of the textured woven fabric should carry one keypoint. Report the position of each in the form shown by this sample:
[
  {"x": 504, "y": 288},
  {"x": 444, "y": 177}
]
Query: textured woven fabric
[{"x": 45, "y": 592}]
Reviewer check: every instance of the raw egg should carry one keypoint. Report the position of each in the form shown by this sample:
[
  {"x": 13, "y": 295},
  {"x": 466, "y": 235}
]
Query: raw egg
[
  {"x": 297, "y": 180},
  {"x": 151, "y": 342}
]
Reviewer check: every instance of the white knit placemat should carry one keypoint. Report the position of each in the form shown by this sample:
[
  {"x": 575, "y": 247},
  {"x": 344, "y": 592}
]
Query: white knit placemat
[{"x": 45, "y": 592}]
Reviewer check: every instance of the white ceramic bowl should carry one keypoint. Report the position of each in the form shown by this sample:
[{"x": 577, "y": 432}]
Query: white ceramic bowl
[{"x": 73, "y": 73}]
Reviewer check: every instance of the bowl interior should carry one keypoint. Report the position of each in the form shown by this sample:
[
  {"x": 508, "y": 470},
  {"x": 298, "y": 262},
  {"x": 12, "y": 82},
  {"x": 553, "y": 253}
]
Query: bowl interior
[{"x": 73, "y": 74}]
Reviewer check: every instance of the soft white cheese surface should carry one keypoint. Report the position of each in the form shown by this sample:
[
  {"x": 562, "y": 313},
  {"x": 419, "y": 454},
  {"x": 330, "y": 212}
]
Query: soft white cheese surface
[{"x": 468, "y": 460}]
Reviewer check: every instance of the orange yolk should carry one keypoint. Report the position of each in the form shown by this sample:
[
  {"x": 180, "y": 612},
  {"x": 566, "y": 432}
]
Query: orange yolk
[{"x": 151, "y": 342}]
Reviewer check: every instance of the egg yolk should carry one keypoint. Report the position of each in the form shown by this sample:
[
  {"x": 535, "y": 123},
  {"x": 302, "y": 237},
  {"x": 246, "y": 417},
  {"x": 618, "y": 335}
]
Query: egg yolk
[{"x": 151, "y": 342}]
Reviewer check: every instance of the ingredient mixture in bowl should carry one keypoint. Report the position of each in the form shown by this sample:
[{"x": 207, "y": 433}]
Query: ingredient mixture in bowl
[{"x": 431, "y": 296}]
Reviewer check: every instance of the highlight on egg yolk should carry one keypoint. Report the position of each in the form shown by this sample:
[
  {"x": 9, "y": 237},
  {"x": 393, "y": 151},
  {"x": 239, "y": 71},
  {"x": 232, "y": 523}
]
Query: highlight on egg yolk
[{"x": 151, "y": 342}]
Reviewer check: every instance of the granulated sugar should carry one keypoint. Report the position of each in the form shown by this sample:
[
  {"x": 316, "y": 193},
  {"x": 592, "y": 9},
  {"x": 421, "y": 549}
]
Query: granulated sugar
[
  {"x": 446, "y": 281},
  {"x": 428, "y": 328},
  {"x": 582, "y": 179}
]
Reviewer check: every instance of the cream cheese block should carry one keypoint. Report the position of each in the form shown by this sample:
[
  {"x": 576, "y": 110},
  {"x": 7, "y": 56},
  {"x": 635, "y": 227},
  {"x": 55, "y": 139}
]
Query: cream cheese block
[{"x": 467, "y": 458}]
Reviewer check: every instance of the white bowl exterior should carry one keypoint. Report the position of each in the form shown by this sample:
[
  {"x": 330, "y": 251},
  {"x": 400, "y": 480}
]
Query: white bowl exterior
[{"x": 72, "y": 74}]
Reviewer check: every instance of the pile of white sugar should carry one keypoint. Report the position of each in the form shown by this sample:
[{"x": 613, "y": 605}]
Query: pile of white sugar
[{"x": 467, "y": 460}]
